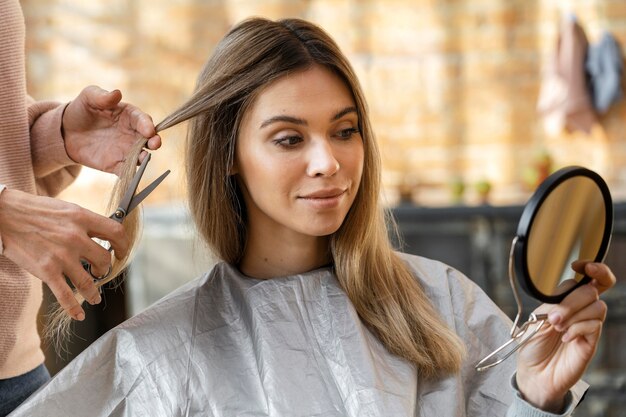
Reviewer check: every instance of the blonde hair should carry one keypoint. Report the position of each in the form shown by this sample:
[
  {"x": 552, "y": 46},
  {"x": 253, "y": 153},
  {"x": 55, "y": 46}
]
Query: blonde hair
[
  {"x": 384, "y": 292},
  {"x": 57, "y": 330}
]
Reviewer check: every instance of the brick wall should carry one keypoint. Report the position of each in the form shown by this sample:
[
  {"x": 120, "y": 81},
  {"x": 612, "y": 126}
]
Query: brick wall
[{"x": 452, "y": 85}]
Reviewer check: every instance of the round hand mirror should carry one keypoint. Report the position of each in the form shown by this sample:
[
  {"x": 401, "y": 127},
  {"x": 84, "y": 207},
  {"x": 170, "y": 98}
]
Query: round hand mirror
[{"x": 568, "y": 218}]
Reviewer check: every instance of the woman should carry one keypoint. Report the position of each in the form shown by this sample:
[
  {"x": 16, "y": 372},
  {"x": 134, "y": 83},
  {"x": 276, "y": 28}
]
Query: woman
[{"x": 311, "y": 312}]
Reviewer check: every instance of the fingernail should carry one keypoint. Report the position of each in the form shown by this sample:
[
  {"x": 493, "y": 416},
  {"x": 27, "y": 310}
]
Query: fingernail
[
  {"x": 592, "y": 268},
  {"x": 565, "y": 338},
  {"x": 80, "y": 316},
  {"x": 554, "y": 317},
  {"x": 97, "y": 299}
]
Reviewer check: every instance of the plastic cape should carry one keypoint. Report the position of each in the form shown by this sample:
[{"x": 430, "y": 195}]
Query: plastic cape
[{"x": 229, "y": 345}]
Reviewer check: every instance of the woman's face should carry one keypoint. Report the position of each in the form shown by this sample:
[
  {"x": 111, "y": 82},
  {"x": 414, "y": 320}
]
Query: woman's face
[{"x": 299, "y": 156}]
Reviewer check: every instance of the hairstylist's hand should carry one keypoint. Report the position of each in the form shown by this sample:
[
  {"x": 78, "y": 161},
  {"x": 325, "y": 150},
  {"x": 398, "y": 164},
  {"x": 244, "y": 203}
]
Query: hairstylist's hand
[
  {"x": 99, "y": 130},
  {"x": 49, "y": 237},
  {"x": 556, "y": 358}
]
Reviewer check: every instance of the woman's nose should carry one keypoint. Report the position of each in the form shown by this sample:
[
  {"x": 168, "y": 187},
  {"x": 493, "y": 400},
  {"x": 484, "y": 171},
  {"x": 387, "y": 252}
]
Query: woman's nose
[{"x": 322, "y": 160}]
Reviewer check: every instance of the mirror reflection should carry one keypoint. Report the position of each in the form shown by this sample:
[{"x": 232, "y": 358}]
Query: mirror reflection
[{"x": 569, "y": 226}]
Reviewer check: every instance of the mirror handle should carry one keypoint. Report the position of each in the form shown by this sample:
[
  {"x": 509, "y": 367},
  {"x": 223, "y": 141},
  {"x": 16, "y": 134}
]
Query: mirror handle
[
  {"x": 512, "y": 277},
  {"x": 538, "y": 319}
]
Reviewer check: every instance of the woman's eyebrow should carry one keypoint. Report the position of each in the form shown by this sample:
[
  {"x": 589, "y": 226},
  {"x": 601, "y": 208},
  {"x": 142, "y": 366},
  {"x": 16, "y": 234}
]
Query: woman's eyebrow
[
  {"x": 302, "y": 122},
  {"x": 340, "y": 114},
  {"x": 283, "y": 118}
]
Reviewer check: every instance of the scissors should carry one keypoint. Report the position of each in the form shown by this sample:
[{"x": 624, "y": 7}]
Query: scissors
[{"x": 129, "y": 202}]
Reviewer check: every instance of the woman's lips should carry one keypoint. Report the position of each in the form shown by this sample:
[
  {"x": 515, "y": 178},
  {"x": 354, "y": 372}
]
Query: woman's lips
[{"x": 324, "y": 198}]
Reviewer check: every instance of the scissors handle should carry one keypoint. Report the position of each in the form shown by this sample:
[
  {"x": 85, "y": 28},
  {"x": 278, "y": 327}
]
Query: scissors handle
[
  {"x": 96, "y": 278},
  {"x": 87, "y": 266}
]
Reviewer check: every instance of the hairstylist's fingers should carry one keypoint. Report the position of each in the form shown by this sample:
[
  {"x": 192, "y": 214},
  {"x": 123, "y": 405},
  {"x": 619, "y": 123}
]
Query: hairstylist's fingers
[
  {"x": 65, "y": 296},
  {"x": 83, "y": 282},
  {"x": 98, "y": 257},
  {"x": 119, "y": 242},
  {"x": 140, "y": 122},
  {"x": 108, "y": 229},
  {"x": 142, "y": 156},
  {"x": 154, "y": 143},
  {"x": 574, "y": 302},
  {"x": 101, "y": 99}
]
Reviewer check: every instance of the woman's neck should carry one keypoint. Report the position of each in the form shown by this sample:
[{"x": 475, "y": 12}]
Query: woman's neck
[{"x": 270, "y": 259}]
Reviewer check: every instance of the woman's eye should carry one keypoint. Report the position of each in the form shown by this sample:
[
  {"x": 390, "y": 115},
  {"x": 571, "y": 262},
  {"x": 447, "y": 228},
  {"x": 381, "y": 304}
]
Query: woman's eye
[
  {"x": 347, "y": 133},
  {"x": 288, "y": 141}
]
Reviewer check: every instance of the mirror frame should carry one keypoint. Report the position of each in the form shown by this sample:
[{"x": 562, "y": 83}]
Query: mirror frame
[{"x": 525, "y": 226}]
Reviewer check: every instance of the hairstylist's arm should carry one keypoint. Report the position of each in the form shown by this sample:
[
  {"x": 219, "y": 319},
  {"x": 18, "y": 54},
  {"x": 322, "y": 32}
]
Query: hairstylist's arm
[
  {"x": 49, "y": 237},
  {"x": 556, "y": 358},
  {"x": 99, "y": 129}
]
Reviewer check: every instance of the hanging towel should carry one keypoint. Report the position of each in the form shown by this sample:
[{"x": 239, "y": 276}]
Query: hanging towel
[
  {"x": 564, "y": 99},
  {"x": 605, "y": 66}
]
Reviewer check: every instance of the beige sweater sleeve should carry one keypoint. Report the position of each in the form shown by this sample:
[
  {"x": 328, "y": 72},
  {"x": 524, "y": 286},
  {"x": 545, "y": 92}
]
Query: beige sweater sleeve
[{"x": 53, "y": 168}]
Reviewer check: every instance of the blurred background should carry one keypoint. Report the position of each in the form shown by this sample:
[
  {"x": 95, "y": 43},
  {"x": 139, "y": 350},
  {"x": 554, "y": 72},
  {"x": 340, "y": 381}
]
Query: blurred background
[{"x": 473, "y": 102}]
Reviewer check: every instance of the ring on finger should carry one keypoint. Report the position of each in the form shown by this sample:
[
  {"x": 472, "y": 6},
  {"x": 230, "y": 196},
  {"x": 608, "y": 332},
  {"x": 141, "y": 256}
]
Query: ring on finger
[{"x": 101, "y": 277}]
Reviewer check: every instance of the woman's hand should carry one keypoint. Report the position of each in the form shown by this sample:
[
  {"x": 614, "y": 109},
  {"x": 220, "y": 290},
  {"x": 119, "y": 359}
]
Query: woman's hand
[
  {"x": 556, "y": 357},
  {"x": 99, "y": 130}
]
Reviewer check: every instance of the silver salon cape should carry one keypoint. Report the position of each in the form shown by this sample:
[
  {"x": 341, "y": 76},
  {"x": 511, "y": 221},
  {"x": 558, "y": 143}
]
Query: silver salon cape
[{"x": 229, "y": 345}]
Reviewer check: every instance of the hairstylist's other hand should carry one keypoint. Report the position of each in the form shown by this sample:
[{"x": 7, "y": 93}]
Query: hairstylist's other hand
[
  {"x": 99, "y": 130},
  {"x": 556, "y": 358},
  {"x": 49, "y": 238}
]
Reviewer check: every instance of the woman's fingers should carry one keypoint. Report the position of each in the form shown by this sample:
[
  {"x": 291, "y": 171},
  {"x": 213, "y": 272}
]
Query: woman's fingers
[
  {"x": 589, "y": 329},
  {"x": 602, "y": 279},
  {"x": 581, "y": 313},
  {"x": 599, "y": 272},
  {"x": 576, "y": 301},
  {"x": 594, "y": 311}
]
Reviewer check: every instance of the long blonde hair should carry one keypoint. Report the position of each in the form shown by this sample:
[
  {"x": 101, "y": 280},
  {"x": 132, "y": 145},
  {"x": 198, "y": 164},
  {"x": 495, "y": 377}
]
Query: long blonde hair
[{"x": 384, "y": 292}]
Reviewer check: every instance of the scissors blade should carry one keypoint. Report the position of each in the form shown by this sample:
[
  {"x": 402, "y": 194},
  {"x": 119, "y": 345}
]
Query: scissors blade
[
  {"x": 139, "y": 197},
  {"x": 130, "y": 192}
]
